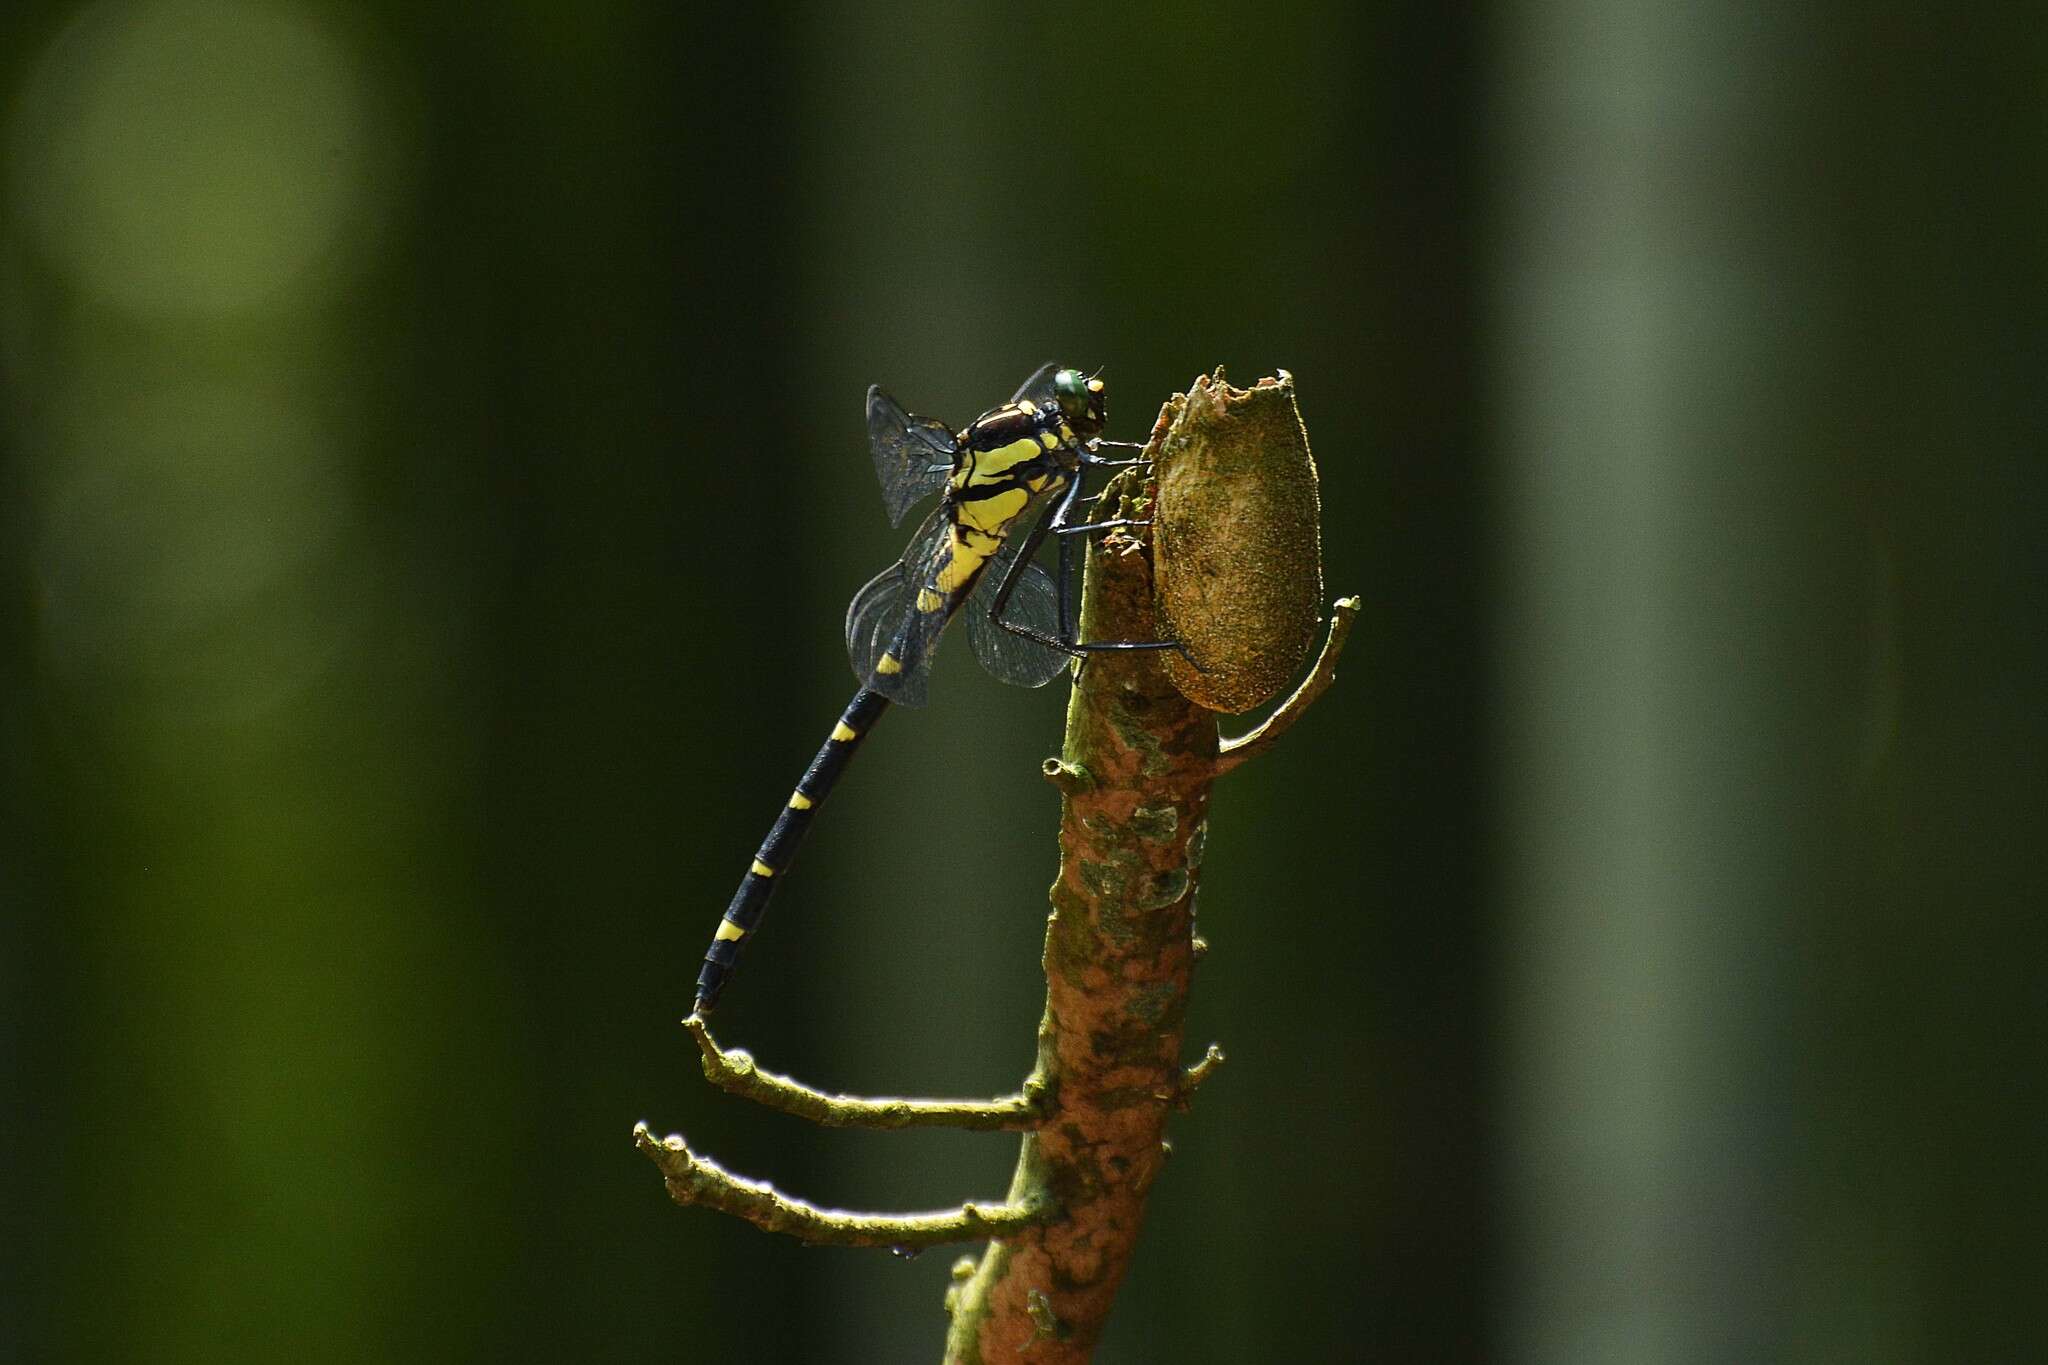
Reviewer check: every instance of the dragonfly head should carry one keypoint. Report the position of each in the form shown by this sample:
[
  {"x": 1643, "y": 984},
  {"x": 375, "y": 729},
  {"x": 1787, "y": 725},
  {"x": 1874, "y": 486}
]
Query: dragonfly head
[{"x": 1083, "y": 401}]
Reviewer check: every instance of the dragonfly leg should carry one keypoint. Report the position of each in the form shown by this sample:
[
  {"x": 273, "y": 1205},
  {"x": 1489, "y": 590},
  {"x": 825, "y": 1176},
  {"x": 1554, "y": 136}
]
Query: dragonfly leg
[
  {"x": 1101, "y": 526},
  {"x": 1054, "y": 522},
  {"x": 1060, "y": 526},
  {"x": 1089, "y": 457},
  {"x": 1054, "y": 515},
  {"x": 1070, "y": 629}
]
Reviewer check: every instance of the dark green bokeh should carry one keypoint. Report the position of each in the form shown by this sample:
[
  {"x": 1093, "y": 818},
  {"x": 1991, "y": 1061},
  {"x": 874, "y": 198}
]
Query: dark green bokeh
[{"x": 431, "y": 477}]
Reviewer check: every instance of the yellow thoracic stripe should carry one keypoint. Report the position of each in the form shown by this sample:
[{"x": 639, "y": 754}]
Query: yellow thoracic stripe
[
  {"x": 762, "y": 869},
  {"x": 990, "y": 515},
  {"x": 993, "y": 466},
  {"x": 929, "y": 601}
]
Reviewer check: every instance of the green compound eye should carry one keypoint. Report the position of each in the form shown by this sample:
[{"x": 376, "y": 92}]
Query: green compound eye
[
  {"x": 1071, "y": 388},
  {"x": 1081, "y": 401}
]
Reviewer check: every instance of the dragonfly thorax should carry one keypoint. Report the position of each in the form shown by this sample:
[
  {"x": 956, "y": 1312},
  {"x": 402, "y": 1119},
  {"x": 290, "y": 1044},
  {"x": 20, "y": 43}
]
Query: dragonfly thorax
[{"x": 1005, "y": 459}]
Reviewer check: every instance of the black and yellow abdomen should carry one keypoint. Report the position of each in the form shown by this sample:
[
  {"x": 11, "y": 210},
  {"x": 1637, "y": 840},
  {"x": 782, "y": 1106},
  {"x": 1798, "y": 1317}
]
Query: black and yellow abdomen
[{"x": 778, "y": 850}]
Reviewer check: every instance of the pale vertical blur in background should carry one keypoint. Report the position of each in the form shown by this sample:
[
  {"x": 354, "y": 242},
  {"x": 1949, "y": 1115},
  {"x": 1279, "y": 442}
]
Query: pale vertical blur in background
[{"x": 431, "y": 477}]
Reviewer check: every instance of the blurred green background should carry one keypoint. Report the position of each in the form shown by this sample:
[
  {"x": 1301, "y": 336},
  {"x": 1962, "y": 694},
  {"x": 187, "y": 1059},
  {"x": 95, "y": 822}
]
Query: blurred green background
[{"x": 431, "y": 477}]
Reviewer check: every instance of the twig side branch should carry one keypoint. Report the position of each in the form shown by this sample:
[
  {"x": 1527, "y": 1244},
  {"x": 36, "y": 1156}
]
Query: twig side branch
[
  {"x": 1192, "y": 1078},
  {"x": 736, "y": 1073},
  {"x": 1267, "y": 732},
  {"x": 692, "y": 1179}
]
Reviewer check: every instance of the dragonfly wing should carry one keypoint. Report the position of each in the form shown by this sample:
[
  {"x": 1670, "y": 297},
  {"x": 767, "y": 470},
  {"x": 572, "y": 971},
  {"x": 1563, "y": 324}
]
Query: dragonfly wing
[
  {"x": 913, "y": 455},
  {"x": 1034, "y": 604},
  {"x": 1038, "y": 388},
  {"x": 883, "y": 622}
]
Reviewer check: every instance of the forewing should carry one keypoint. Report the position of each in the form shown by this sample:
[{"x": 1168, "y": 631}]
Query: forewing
[
  {"x": 913, "y": 455},
  {"x": 1034, "y": 603},
  {"x": 1038, "y": 388}
]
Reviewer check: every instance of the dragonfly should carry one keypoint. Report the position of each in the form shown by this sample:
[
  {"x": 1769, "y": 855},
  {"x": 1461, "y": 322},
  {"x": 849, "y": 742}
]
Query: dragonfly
[{"x": 968, "y": 556}]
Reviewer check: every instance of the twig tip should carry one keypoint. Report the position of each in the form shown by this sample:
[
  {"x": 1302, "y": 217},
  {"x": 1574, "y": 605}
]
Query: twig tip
[{"x": 1068, "y": 777}]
